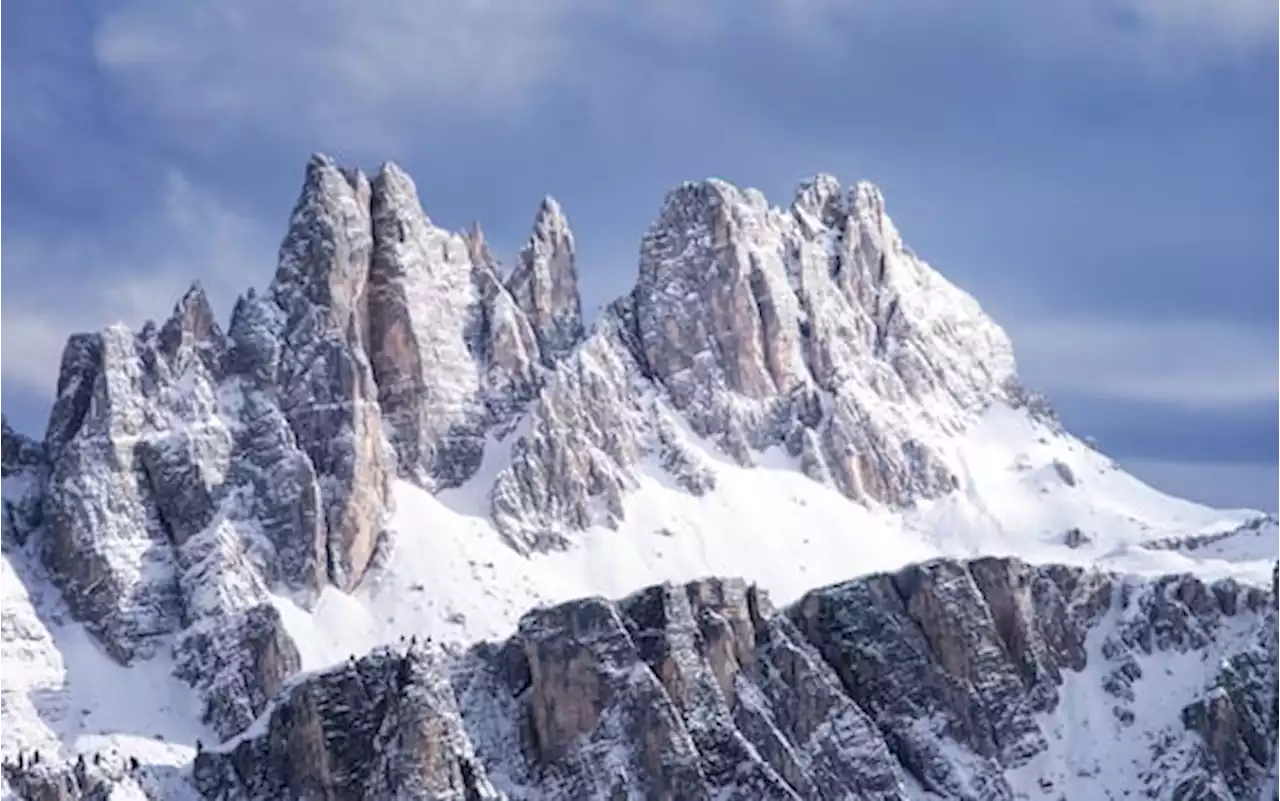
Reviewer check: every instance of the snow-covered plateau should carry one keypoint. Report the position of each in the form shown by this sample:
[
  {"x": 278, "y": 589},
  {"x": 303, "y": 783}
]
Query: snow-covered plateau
[{"x": 782, "y": 523}]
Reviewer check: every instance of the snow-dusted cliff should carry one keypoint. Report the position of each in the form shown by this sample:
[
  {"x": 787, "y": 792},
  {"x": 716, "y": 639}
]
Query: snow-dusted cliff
[{"x": 397, "y": 439}]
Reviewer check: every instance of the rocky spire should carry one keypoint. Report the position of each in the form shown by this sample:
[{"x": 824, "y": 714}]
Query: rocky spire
[
  {"x": 545, "y": 283},
  {"x": 714, "y": 307},
  {"x": 425, "y": 320},
  {"x": 324, "y": 259},
  {"x": 192, "y": 331},
  {"x": 478, "y": 249},
  {"x": 326, "y": 387},
  {"x": 820, "y": 203},
  {"x": 77, "y": 374}
]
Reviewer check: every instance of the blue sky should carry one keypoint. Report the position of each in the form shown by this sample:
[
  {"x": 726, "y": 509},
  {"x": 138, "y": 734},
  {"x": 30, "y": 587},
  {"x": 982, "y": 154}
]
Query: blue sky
[{"x": 1099, "y": 173}]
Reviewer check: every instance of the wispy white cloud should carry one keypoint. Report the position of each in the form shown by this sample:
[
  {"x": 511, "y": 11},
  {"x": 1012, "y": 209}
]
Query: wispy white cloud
[
  {"x": 191, "y": 234},
  {"x": 358, "y": 71},
  {"x": 1163, "y": 35},
  {"x": 376, "y": 74},
  {"x": 1181, "y": 363},
  {"x": 1232, "y": 24},
  {"x": 32, "y": 346}
]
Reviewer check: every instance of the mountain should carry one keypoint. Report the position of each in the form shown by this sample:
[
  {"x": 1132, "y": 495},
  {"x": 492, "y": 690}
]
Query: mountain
[{"x": 225, "y": 535}]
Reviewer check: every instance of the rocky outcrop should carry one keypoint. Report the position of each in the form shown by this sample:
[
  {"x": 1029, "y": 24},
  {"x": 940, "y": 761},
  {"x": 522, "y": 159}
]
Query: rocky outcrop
[
  {"x": 425, "y": 327},
  {"x": 385, "y": 344},
  {"x": 385, "y": 726},
  {"x": 239, "y": 663},
  {"x": 188, "y": 476},
  {"x": 18, "y": 452},
  {"x": 586, "y": 432},
  {"x": 24, "y": 468},
  {"x": 112, "y": 429},
  {"x": 1236, "y": 720},
  {"x": 945, "y": 679},
  {"x": 455, "y": 352},
  {"x": 544, "y": 284},
  {"x": 163, "y": 515},
  {"x": 186, "y": 472}
]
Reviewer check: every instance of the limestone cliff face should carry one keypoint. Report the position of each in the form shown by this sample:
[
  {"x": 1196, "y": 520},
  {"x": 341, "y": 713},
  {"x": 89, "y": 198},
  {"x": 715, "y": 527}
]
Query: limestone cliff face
[
  {"x": 385, "y": 726},
  {"x": 942, "y": 681},
  {"x": 456, "y": 352},
  {"x": 324, "y": 381}
]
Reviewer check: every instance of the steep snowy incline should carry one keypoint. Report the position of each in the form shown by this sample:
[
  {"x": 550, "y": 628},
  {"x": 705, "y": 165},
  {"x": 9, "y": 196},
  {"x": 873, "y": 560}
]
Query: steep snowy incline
[{"x": 1028, "y": 489}]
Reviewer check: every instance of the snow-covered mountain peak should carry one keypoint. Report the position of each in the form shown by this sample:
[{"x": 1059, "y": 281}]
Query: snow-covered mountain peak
[
  {"x": 395, "y": 182},
  {"x": 323, "y": 261},
  {"x": 866, "y": 202},
  {"x": 820, "y": 202},
  {"x": 394, "y": 439},
  {"x": 550, "y": 219},
  {"x": 192, "y": 331},
  {"x": 763, "y": 323}
]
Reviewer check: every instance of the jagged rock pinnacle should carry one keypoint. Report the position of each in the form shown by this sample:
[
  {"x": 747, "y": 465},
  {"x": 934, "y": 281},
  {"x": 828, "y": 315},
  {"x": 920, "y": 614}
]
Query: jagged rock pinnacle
[{"x": 544, "y": 283}]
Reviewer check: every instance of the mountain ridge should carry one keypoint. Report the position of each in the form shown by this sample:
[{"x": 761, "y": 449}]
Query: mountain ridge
[{"x": 396, "y": 438}]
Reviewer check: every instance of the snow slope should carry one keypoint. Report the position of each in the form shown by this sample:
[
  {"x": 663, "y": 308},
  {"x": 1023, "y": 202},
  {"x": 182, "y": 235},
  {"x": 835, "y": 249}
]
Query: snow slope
[
  {"x": 451, "y": 574},
  {"x": 61, "y": 695}
]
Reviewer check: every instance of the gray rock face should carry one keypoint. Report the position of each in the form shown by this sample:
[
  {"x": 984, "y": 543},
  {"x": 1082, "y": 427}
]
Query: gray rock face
[
  {"x": 117, "y": 439},
  {"x": 941, "y": 679},
  {"x": 24, "y": 467},
  {"x": 425, "y": 318},
  {"x": 324, "y": 380},
  {"x": 544, "y": 284},
  {"x": 185, "y": 473},
  {"x": 456, "y": 352},
  {"x": 386, "y": 726},
  {"x": 161, "y": 514},
  {"x": 585, "y": 433},
  {"x": 386, "y": 344},
  {"x": 18, "y": 452},
  {"x": 239, "y": 662}
]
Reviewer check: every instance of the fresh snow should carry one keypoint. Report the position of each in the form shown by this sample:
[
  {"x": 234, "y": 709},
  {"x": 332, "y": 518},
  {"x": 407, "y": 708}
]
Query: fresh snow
[
  {"x": 1091, "y": 754},
  {"x": 1025, "y": 489},
  {"x": 451, "y": 575},
  {"x": 62, "y": 695}
]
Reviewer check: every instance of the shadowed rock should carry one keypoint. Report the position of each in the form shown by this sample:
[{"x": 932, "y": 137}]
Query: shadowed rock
[{"x": 938, "y": 677}]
